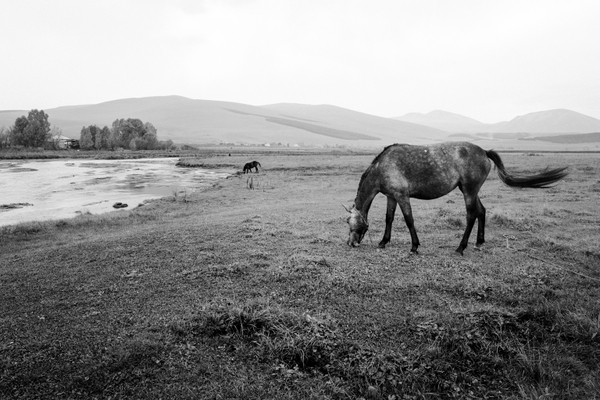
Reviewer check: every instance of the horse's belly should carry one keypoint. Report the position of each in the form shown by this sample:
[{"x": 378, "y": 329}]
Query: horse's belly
[{"x": 431, "y": 191}]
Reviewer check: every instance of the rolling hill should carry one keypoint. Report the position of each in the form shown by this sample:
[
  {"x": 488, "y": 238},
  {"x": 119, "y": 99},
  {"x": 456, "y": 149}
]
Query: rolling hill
[
  {"x": 445, "y": 121},
  {"x": 195, "y": 122},
  {"x": 559, "y": 121}
]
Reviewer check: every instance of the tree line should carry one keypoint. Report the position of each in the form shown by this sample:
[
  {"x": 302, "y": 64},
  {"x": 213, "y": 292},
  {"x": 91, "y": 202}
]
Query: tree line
[
  {"x": 34, "y": 130},
  {"x": 130, "y": 133}
]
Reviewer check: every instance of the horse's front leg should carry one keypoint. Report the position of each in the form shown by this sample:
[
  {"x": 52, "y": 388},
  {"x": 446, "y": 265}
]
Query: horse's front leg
[
  {"x": 404, "y": 203},
  {"x": 389, "y": 218}
]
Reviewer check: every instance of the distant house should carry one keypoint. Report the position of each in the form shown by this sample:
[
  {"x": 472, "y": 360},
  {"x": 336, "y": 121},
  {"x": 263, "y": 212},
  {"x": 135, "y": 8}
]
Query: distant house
[
  {"x": 72, "y": 144},
  {"x": 63, "y": 142}
]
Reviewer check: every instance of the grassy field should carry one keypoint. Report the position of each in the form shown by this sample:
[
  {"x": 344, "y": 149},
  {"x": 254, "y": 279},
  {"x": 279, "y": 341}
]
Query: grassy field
[{"x": 247, "y": 290}]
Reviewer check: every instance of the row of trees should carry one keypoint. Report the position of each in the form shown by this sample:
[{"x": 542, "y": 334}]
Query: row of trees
[
  {"x": 129, "y": 133},
  {"x": 35, "y": 131}
]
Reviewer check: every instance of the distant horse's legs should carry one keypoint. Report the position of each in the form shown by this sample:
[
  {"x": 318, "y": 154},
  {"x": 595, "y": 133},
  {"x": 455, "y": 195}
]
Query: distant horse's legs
[
  {"x": 404, "y": 203},
  {"x": 389, "y": 218}
]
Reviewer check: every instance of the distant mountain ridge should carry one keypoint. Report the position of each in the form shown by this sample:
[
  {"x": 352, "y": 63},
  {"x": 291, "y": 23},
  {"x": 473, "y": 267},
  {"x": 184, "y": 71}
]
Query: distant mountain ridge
[
  {"x": 194, "y": 122},
  {"x": 197, "y": 122},
  {"x": 552, "y": 121},
  {"x": 444, "y": 120},
  {"x": 559, "y": 121}
]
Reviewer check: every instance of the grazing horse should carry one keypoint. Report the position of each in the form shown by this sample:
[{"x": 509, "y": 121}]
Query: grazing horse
[
  {"x": 254, "y": 164},
  {"x": 403, "y": 171}
]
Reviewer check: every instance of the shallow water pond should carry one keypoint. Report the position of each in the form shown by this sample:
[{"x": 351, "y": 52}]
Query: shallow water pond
[{"x": 40, "y": 190}]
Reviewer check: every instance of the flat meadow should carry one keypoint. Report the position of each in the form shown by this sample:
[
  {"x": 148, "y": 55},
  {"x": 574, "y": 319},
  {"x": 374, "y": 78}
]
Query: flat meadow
[{"x": 248, "y": 290}]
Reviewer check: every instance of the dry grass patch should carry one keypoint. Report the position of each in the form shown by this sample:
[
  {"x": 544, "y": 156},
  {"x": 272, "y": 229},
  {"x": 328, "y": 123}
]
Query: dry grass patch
[{"x": 254, "y": 294}]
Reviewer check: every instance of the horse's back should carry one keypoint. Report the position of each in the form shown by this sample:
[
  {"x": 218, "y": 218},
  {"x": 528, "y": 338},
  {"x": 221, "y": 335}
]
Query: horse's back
[
  {"x": 432, "y": 171},
  {"x": 433, "y": 158}
]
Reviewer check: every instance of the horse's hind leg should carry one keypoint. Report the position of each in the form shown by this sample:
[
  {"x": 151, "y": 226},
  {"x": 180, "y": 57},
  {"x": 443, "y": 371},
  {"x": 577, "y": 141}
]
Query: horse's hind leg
[
  {"x": 389, "y": 218},
  {"x": 475, "y": 210},
  {"x": 480, "y": 224}
]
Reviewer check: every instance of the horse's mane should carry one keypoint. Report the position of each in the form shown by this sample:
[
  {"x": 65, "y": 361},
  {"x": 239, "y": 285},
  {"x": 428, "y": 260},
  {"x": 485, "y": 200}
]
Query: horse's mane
[
  {"x": 375, "y": 160},
  {"x": 383, "y": 151}
]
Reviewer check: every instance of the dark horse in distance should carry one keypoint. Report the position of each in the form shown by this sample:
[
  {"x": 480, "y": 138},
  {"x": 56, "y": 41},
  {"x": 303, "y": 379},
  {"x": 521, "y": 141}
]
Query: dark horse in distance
[
  {"x": 254, "y": 164},
  {"x": 403, "y": 171}
]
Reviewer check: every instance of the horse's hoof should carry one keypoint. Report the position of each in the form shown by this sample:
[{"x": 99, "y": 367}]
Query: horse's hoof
[
  {"x": 459, "y": 251},
  {"x": 381, "y": 245}
]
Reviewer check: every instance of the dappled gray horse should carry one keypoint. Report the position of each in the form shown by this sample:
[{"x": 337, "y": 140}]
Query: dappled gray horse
[{"x": 403, "y": 171}]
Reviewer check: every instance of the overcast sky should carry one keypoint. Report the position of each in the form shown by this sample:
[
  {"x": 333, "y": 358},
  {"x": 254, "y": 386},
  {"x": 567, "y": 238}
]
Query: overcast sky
[{"x": 488, "y": 60}]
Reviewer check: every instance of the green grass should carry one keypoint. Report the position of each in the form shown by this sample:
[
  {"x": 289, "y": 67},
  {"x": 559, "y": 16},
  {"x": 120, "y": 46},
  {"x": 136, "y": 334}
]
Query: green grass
[{"x": 253, "y": 294}]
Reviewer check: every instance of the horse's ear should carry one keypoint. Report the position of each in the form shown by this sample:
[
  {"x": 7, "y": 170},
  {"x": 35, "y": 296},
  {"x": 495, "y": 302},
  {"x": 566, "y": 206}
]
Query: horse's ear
[{"x": 345, "y": 207}]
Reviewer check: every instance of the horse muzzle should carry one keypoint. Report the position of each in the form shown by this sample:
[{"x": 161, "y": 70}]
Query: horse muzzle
[{"x": 354, "y": 240}]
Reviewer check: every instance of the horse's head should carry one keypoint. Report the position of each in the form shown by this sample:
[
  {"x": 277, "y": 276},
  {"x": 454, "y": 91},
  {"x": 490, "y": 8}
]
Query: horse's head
[{"x": 358, "y": 226}]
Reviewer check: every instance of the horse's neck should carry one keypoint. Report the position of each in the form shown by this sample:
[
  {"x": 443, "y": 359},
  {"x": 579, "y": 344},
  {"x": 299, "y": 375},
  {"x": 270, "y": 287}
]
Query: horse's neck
[{"x": 367, "y": 190}]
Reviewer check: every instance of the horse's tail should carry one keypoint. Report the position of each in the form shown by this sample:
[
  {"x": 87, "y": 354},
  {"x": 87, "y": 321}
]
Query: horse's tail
[
  {"x": 259, "y": 164},
  {"x": 540, "y": 180}
]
